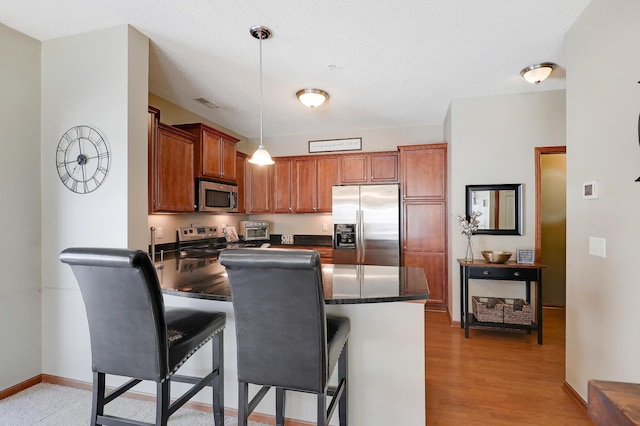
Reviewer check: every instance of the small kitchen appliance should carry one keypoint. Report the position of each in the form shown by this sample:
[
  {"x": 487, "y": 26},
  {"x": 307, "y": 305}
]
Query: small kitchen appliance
[{"x": 254, "y": 230}]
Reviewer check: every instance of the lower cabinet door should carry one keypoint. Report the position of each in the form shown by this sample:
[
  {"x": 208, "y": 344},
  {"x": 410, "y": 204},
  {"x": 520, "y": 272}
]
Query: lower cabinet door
[{"x": 434, "y": 265}]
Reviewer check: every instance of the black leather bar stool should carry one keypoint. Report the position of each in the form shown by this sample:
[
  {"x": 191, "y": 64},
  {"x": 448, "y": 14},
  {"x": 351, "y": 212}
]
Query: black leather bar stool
[
  {"x": 134, "y": 335},
  {"x": 284, "y": 338}
]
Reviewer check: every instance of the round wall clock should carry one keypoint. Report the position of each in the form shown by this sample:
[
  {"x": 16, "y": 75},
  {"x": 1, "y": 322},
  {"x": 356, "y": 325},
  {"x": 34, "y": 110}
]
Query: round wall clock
[{"x": 83, "y": 159}]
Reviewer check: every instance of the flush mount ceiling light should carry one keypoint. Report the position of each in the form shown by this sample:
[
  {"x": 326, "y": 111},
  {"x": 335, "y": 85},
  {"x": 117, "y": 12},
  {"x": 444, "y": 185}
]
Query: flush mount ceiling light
[
  {"x": 261, "y": 156},
  {"x": 312, "y": 97},
  {"x": 537, "y": 73}
]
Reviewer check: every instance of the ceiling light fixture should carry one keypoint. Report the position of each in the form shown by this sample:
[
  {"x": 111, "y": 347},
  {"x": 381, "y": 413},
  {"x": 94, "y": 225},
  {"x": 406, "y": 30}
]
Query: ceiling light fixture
[
  {"x": 261, "y": 156},
  {"x": 312, "y": 97},
  {"x": 537, "y": 73}
]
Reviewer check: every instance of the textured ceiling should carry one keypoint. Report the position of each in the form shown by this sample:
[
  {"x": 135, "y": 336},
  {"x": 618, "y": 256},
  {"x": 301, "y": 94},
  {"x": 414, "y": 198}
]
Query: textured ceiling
[{"x": 385, "y": 64}]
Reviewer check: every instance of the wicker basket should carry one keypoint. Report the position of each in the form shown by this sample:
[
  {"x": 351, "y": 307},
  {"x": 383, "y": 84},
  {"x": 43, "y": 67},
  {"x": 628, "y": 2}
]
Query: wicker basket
[
  {"x": 517, "y": 311},
  {"x": 488, "y": 309}
]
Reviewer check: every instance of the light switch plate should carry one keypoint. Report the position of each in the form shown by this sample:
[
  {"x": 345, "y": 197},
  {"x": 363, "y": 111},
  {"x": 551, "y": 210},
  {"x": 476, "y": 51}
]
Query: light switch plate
[{"x": 597, "y": 246}]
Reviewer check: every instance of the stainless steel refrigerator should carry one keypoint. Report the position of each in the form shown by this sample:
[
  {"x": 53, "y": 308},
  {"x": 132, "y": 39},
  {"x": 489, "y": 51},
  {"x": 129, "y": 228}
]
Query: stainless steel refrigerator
[{"x": 366, "y": 224}]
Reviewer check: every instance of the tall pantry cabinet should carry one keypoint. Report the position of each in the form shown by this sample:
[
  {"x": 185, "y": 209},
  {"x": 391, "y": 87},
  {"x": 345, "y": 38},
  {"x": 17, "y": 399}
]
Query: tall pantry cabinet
[{"x": 424, "y": 211}]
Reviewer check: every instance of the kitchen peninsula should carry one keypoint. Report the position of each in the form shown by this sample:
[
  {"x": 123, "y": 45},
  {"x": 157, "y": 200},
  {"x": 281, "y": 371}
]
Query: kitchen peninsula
[{"x": 386, "y": 354}]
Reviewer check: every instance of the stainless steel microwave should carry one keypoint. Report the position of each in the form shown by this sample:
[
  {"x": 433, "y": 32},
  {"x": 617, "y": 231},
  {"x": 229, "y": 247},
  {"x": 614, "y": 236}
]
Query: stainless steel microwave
[{"x": 216, "y": 197}]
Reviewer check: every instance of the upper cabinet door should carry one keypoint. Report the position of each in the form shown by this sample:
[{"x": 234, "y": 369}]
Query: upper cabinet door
[
  {"x": 353, "y": 169},
  {"x": 211, "y": 160},
  {"x": 424, "y": 170},
  {"x": 306, "y": 186},
  {"x": 228, "y": 156},
  {"x": 327, "y": 177},
  {"x": 377, "y": 167},
  {"x": 384, "y": 167},
  {"x": 282, "y": 185},
  {"x": 258, "y": 188},
  {"x": 171, "y": 187},
  {"x": 215, "y": 155}
]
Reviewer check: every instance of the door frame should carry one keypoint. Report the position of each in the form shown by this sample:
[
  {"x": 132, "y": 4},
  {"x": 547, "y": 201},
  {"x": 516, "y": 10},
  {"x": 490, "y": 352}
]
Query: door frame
[{"x": 540, "y": 151}]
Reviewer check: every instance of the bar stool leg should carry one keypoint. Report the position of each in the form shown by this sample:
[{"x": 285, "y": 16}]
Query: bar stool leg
[
  {"x": 218, "y": 381},
  {"x": 342, "y": 376},
  {"x": 280, "y": 402},
  {"x": 243, "y": 403}
]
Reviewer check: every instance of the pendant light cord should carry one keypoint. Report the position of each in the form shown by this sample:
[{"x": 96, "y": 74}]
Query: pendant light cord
[{"x": 261, "y": 144}]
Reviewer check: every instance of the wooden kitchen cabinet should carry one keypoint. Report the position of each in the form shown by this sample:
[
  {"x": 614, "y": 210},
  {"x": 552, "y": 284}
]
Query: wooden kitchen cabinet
[
  {"x": 215, "y": 153},
  {"x": 313, "y": 182},
  {"x": 423, "y": 171},
  {"x": 325, "y": 252},
  {"x": 258, "y": 188},
  {"x": 376, "y": 167},
  {"x": 282, "y": 183},
  {"x": 171, "y": 156},
  {"x": 241, "y": 166}
]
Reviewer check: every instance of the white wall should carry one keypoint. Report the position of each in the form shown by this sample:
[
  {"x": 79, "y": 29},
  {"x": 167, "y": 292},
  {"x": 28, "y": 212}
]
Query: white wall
[
  {"x": 106, "y": 89},
  {"x": 603, "y": 102},
  {"x": 492, "y": 141},
  {"x": 372, "y": 139},
  {"x": 20, "y": 305}
]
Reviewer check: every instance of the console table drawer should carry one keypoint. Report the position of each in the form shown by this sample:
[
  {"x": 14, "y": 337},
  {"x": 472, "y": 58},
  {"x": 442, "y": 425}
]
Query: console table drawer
[{"x": 492, "y": 273}]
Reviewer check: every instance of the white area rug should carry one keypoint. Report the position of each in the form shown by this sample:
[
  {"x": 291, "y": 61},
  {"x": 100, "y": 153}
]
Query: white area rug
[{"x": 52, "y": 405}]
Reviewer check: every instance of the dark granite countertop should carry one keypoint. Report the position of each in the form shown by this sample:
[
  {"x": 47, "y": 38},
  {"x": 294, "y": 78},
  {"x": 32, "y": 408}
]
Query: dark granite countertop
[{"x": 343, "y": 284}]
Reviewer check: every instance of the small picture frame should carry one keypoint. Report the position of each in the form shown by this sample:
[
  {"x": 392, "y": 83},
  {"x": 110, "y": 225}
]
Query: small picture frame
[
  {"x": 333, "y": 145},
  {"x": 525, "y": 256}
]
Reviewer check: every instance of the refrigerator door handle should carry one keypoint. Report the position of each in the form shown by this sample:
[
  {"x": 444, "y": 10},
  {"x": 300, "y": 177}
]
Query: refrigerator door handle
[
  {"x": 357, "y": 236},
  {"x": 362, "y": 239}
]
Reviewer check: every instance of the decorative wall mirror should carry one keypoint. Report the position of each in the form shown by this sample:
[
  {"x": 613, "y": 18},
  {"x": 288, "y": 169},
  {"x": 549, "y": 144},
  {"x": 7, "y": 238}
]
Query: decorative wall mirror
[{"x": 500, "y": 205}]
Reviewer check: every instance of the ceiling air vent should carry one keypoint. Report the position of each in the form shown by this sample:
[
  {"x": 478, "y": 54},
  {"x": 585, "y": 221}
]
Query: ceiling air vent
[{"x": 207, "y": 103}]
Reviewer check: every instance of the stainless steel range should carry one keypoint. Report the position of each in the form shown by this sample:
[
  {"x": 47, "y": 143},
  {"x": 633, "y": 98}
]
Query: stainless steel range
[
  {"x": 203, "y": 242},
  {"x": 199, "y": 242}
]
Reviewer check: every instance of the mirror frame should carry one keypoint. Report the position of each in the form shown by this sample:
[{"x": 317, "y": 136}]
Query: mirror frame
[{"x": 517, "y": 187}]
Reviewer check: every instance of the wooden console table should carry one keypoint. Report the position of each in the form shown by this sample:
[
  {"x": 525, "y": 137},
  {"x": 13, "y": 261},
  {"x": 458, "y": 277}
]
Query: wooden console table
[
  {"x": 509, "y": 271},
  {"x": 614, "y": 403}
]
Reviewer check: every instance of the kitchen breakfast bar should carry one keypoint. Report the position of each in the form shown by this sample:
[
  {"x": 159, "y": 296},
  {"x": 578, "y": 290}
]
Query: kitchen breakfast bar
[{"x": 386, "y": 349}]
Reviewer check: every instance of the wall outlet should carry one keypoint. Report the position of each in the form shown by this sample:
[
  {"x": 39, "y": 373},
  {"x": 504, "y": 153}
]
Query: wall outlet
[
  {"x": 325, "y": 227},
  {"x": 597, "y": 246},
  {"x": 159, "y": 233}
]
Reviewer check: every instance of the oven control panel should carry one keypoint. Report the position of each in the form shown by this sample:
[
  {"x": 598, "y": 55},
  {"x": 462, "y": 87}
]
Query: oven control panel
[{"x": 194, "y": 233}]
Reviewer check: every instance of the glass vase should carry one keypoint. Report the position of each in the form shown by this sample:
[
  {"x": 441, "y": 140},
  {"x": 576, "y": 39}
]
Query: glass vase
[{"x": 468, "y": 257}]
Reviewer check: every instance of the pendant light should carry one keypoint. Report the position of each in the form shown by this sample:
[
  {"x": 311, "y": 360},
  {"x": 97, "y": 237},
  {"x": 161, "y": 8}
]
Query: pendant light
[{"x": 261, "y": 156}]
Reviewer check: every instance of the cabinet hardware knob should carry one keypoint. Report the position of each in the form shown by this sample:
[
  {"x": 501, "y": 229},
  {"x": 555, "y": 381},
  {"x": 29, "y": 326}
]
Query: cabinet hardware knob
[
  {"x": 517, "y": 274},
  {"x": 485, "y": 272}
]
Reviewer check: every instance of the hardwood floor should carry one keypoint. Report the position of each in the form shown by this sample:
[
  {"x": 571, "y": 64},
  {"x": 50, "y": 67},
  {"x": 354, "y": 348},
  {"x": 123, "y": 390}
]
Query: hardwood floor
[{"x": 497, "y": 378}]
